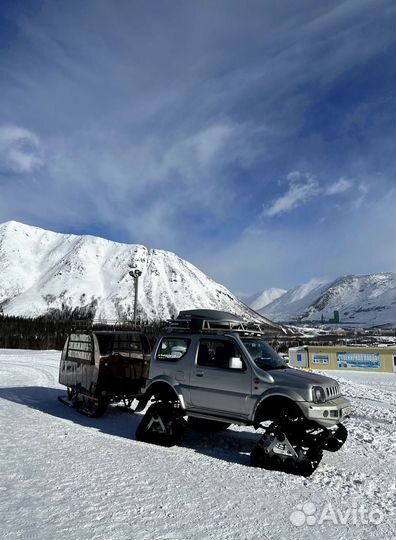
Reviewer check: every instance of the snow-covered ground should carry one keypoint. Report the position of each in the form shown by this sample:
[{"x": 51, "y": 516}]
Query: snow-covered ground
[{"x": 63, "y": 475}]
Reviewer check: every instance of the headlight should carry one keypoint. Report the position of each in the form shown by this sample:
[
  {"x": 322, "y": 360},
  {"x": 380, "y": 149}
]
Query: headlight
[{"x": 318, "y": 394}]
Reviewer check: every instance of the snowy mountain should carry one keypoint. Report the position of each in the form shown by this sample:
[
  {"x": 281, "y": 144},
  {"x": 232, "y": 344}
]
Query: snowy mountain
[
  {"x": 43, "y": 271},
  {"x": 263, "y": 298},
  {"x": 294, "y": 302},
  {"x": 361, "y": 299}
]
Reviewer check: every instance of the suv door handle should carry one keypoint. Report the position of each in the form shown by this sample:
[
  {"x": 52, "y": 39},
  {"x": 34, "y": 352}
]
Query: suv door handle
[{"x": 199, "y": 373}]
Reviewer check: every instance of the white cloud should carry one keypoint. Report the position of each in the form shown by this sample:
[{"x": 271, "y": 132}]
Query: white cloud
[
  {"x": 20, "y": 150},
  {"x": 302, "y": 188},
  {"x": 363, "y": 190},
  {"x": 165, "y": 145},
  {"x": 332, "y": 252},
  {"x": 295, "y": 176},
  {"x": 207, "y": 144},
  {"x": 340, "y": 186},
  {"x": 144, "y": 189}
]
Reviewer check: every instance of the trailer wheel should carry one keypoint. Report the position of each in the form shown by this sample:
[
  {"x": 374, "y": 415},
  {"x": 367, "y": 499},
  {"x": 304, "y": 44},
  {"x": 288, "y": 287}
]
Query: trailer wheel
[{"x": 162, "y": 425}]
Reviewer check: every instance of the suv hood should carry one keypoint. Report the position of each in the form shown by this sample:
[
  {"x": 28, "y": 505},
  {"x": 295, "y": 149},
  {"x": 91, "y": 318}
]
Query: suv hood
[
  {"x": 301, "y": 382},
  {"x": 299, "y": 377},
  {"x": 296, "y": 377}
]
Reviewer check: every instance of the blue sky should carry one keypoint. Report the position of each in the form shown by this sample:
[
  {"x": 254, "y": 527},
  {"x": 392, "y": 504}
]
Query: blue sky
[{"x": 252, "y": 138}]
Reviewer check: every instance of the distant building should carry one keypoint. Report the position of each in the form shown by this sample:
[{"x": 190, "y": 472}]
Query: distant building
[
  {"x": 344, "y": 358},
  {"x": 336, "y": 318}
]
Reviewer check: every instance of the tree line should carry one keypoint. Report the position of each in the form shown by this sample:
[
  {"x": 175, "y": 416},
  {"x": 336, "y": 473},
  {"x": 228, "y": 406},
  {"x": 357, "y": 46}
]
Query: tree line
[{"x": 50, "y": 332}]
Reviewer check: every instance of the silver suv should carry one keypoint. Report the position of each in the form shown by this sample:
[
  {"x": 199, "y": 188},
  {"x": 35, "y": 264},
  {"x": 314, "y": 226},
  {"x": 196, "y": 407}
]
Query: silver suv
[{"x": 217, "y": 370}]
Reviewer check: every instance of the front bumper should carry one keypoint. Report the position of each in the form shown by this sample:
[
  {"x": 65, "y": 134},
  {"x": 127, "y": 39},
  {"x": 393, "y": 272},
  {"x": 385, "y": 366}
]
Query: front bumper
[{"x": 329, "y": 413}]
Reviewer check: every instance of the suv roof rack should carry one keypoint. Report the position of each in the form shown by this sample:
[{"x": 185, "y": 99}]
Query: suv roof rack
[
  {"x": 212, "y": 321},
  {"x": 85, "y": 326}
]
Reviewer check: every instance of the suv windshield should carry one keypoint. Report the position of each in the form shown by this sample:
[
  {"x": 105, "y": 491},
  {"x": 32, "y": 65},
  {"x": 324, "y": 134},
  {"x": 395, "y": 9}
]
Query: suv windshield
[{"x": 263, "y": 355}]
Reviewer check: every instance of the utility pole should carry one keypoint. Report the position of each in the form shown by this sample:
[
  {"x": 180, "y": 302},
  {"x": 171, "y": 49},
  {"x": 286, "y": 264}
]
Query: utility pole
[{"x": 135, "y": 273}]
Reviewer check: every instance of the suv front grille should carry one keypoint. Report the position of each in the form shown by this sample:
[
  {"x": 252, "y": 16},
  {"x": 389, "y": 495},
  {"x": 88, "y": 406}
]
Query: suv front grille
[{"x": 333, "y": 391}]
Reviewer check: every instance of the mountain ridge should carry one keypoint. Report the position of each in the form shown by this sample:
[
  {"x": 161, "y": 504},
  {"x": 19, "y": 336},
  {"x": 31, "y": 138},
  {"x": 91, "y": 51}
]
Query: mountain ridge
[
  {"x": 262, "y": 298},
  {"x": 367, "y": 299},
  {"x": 43, "y": 271}
]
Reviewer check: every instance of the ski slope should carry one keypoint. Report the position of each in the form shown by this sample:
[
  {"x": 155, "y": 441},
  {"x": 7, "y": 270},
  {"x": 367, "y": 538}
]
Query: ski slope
[{"x": 63, "y": 475}]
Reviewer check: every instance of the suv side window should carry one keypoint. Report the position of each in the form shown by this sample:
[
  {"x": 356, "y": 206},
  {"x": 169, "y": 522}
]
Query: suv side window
[
  {"x": 171, "y": 349},
  {"x": 217, "y": 353}
]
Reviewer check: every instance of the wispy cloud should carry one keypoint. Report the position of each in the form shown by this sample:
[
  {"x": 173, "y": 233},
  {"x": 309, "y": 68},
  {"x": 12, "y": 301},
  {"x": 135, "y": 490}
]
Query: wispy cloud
[
  {"x": 20, "y": 150},
  {"x": 303, "y": 187},
  {"x": 340, "y": 186},
  {"x": 170, "y": 127},
  {"x": 143, "y": 190},
  {"x": 362, "y": 191},
  {"x": 285, "y": 260}
]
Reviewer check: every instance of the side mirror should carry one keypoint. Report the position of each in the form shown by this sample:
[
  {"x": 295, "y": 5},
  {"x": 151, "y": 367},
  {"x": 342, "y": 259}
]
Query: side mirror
[{"x": 235, "y": 363}]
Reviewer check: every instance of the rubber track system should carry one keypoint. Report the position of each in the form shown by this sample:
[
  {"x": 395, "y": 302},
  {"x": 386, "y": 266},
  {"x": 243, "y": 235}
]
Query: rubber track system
[
  {"x": 289, "y": 448},
  {"x": 334, "y": 439},
  {"x": 87, "y": 406},
  {"x": 162, "y": 424}
]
